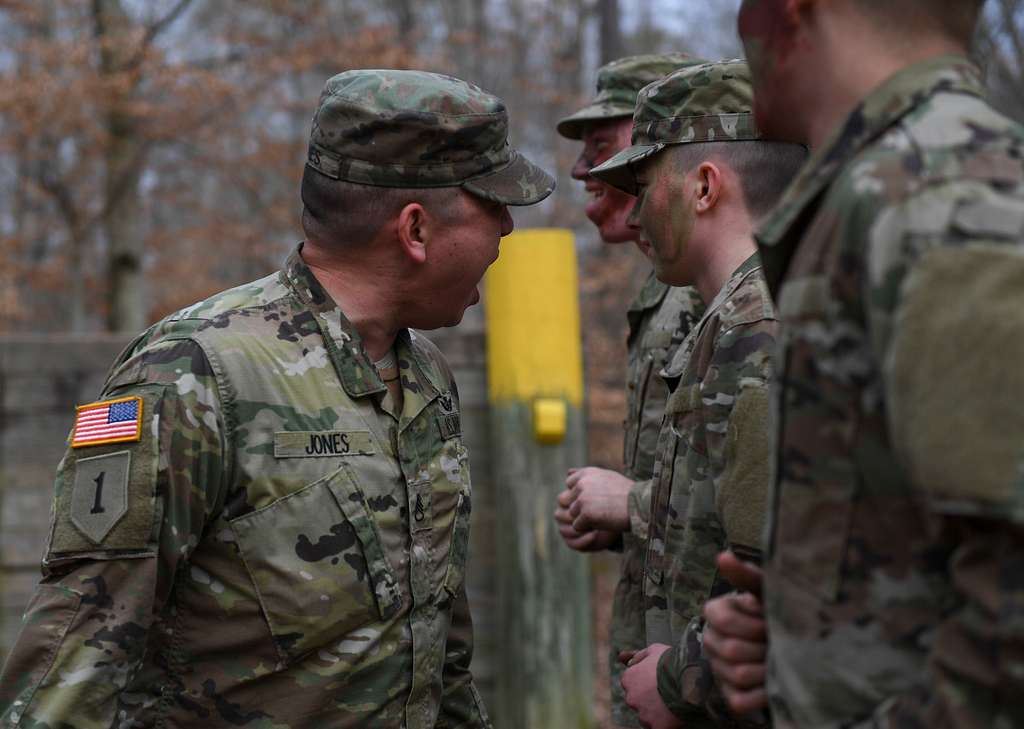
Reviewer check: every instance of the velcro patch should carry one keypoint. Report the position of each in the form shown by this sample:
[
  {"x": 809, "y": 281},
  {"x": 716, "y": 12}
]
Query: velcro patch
[
  {"x": 105, "y": 499},
  {"x": 323, "y": 443},
  {"x": 109, "y": 421},
  {"x": 449, "y": 425},
  {"x": 99, "y": 496}
]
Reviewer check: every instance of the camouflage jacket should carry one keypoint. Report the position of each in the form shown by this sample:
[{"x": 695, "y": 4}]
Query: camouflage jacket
[
  {"x": 660, "y": 317},
  {"x": 895, "y": 555},
  {"x": 710, "y": 479},
  {"x": 274, "y": 549}
]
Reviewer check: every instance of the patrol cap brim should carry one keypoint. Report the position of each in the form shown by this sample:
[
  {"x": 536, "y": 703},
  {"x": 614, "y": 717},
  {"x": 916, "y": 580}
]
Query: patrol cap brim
[
  {"x": 619, "y": 171},
  {"x": 520, "y": 182},
  {"x": 571, "y": 127}
]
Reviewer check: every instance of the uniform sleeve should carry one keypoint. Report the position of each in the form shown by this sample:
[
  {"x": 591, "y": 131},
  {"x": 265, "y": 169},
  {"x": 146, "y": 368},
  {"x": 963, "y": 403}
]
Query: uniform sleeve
[
  {"x": 126, "y": 516},
  {"x": 638, "y": 505},
  {"x": 461, "y": 705},
  {"x": 946, "y": 310},
  {"x": 735, "y": 398}
]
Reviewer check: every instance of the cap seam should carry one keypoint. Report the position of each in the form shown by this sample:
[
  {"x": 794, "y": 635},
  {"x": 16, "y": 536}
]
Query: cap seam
[
  {"x": 434, "y": 113},
  {"x": 337, "y": 158},
  {"x": 693, "y": 116}
]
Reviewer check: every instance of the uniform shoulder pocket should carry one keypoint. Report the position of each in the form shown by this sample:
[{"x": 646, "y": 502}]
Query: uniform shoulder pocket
[{"x": 106, "y": 486}]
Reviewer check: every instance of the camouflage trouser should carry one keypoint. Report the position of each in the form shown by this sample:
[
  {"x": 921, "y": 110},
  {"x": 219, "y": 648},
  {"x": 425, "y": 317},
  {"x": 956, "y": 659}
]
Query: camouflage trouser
[{"x": 627, "y": 629}]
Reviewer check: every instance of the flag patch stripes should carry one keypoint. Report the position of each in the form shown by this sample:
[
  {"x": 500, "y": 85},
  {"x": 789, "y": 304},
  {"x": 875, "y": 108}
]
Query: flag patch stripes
[{"x": 110, "y": 421}]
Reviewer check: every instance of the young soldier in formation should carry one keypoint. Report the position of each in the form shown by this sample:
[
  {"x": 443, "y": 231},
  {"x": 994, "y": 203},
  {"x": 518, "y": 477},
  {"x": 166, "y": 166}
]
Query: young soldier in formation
[
  {"x": 264, "y": 520},
  {"x": 894, "y": 574},
  {"x": 702, "y": 172},
  {"x": 602, "y": 508}
]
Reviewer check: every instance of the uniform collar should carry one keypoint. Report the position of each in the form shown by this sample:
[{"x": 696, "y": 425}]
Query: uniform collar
[
  {"x": 344, "y": 345},
  {"x": 650, "y": 296},
  {"x": 880, "y": 110},
  {"x": 674, "y": 369}
]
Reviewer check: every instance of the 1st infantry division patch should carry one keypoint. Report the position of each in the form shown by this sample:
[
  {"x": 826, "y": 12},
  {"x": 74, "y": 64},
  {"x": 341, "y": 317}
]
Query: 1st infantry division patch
[{"x": 109, "y": 421}]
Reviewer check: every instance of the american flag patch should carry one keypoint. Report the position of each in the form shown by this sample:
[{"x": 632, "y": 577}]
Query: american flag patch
[{"x": 110, "y": 421}]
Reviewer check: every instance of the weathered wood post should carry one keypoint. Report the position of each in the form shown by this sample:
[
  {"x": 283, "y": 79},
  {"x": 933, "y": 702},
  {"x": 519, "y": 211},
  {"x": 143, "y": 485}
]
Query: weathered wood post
[{"x": 535, "y": 386}]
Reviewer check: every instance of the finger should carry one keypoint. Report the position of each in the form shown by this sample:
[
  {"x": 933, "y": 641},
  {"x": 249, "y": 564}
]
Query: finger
[
  {"x": 742, "y": 676},
  {"x": 733, "y": 650},
  {"x": 574, "y": 478},
  {"x": 562, "y": 516},
  {"x": 583, "y": 524},
  {"x": 741, "y": 575},
  {"x": 745, "y": 702},
  {"x": 567, "y": 532},
  {"x": 583, "y": 543},
  {"x": 725, "y": 618},
  {"x": 625, "y": 656},
  {"x": 638, "y": 656},
  {"x": 565, "y": 498}
]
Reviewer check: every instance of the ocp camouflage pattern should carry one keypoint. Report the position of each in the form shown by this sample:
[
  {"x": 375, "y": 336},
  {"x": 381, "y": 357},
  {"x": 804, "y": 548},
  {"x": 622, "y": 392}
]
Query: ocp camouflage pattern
[
  {"x": 894, "y": 585},
  {"x": 707, "y": 102},
  {"x": 710, "y": 480},
  {"x": 414, "y": 129},
  {"x": 618, "y": 84},
  {"x": 660, "y": 318},
  {"x": 293, "y": 552}
]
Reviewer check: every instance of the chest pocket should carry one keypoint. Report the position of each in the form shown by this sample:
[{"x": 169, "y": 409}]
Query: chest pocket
[
  {"x": 682, "y": 406},
  {"x": 815, "y": 477},
  {"x": 316, "y": 560}
]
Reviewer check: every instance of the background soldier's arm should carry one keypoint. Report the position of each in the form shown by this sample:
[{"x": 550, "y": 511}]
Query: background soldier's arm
[
  {"x": 946, "y": 307},
  {"x": 104, "y": 590}
]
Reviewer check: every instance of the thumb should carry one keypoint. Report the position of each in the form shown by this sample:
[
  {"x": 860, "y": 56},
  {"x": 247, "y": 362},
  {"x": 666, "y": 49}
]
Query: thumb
[{"x": 741, "y": 575}]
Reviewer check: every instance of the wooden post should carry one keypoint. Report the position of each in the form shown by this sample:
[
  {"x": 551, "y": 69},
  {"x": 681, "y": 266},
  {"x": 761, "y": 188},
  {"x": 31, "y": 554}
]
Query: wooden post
[{"x": 535, "y": 387}]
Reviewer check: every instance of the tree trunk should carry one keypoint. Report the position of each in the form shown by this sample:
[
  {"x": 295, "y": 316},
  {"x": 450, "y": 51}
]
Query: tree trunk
[
  {"x": 611, "y": 31},
  {"x": 126, "y": 305}
]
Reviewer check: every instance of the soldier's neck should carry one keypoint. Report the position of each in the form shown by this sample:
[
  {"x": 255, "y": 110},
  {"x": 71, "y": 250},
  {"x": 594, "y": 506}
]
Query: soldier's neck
[
  {"x": 721, "y": 262},
  {"x": 854, "y": 70},
  {"x": 365, "y": 298}
]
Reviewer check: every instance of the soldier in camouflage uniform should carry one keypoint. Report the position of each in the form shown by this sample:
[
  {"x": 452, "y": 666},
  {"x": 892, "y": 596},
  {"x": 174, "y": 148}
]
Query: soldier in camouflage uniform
[
  {"x": 893, "y": 576},
  {"x": 659, "y": 317},
  {"x": 702, "y": 171},
  {"x": 264, "y": 521}
]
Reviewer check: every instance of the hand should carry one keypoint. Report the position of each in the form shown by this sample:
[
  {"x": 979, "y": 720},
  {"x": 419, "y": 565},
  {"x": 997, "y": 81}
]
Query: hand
[
  {"x": 593, "y": 540},
  {"x": 641, "y": 684},
  {"x": 599, "y": 499},
  {"x": 735, "y": 641}
]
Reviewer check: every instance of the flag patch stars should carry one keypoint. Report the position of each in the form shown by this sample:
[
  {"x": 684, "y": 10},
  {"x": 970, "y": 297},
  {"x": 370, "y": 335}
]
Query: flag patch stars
[{"x": 110, "y": 421}]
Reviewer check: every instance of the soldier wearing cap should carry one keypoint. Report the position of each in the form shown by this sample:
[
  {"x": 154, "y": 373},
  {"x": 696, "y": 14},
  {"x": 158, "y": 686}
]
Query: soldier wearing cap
[
  {"x": 702, "y": 173},
  {"x": 278, "y": 536},
  {"x": 892, "y": 582},
  {"x": 599, "y": 507}
]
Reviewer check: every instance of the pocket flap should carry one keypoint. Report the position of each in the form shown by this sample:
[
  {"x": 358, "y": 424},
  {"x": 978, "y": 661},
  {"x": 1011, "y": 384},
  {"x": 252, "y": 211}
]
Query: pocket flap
[{"x": 353, "y": 505}]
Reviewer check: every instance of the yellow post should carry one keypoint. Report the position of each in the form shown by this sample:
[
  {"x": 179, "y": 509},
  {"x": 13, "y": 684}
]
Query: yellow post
[{"x": 535, "y": 386}]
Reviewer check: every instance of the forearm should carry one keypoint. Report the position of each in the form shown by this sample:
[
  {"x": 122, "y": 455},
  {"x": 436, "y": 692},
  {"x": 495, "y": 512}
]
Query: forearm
[
  {"x": 78, "y": 646},
  {"x": 975, "y": 670},
  {"x": 461, "y": 705}
]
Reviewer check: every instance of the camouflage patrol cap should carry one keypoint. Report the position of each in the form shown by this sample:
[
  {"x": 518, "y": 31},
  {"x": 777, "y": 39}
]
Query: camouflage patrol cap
[
  {"x": 414, "y": 129},
  {"x": 618, "y": 83},
  {"x": 709, "y": 102}
]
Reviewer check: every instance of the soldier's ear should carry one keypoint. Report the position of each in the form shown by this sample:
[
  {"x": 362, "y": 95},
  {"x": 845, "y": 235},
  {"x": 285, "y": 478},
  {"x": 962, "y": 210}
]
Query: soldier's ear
[
  {"x": 412, "y": 232},
  {"x": 709, "y": 186}
]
